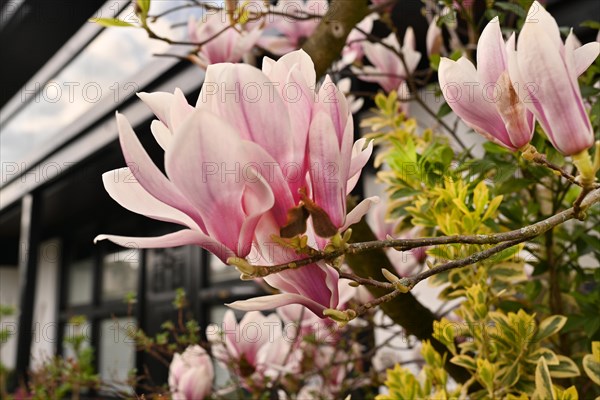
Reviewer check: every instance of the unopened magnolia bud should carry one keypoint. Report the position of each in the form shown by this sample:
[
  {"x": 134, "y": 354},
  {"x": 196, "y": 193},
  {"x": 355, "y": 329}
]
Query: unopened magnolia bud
[
  {"x": 341, "y": 317},
  {"x": 242, "y": 265},
  {"x": 353, "y": 284},
  {"x": 392, "y": 278}
]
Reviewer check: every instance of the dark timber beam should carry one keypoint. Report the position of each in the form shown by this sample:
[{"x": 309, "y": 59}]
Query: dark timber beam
[{"x": 28, "y": 261}]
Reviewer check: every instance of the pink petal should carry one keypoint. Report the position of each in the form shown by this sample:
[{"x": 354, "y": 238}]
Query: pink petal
[
  {"x": 161, "y": 133},
  {"x": 359, "y": 211},
  {"x": 491, "y": 54},
  {"x": 557, "y": 101},
  {"x": 328, "y": 189},
  {"x": 465, "y": 96},
  {"x": 159, "y": 103},
  {"x": 180, "y": 238},
  {"x": 179, "y": 111},
  {"x": 360, "y": 157},
  {"x": 585, "y": 56},
  {"x": 122, "y": 186},
  {"x": 213, "y": 170},
  {"x": 148, "y": 174},
  {"x": 277, "y": 300},
  {"x": 250, "y": 102}
]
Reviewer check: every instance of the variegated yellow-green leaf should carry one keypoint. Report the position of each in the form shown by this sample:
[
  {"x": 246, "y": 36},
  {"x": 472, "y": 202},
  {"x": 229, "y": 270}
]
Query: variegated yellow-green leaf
[
  {"x": 550, "y": 326},
  {"x": 508, "y": 272},
  {"x": 486, "y": 372},
  {"x": 510, "y": 375},
  {"x": 591, "y": 363},
  {"x": 492, "y": 207},
  {"x": 480, "y": 197},
  {"x": 549, "y": 355},
  {"x": 523, "y": 396},
  {"x": 108, "y": 22},
  {"x": 445, "y": 331},
  {"x": 464, "y": 361},
  {"x": 543, "y": 382},
  {"x": 567, "y": 394},
  {"x": 565, "y": 369}
]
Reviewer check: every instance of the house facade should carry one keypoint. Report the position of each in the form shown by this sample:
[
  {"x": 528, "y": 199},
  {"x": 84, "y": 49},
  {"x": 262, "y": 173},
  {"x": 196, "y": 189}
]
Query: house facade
[{"x": 66, "y": 79}]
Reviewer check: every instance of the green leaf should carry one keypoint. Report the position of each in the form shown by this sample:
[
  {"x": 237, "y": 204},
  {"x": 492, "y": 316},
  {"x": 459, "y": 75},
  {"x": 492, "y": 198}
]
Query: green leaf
[
  {"x": 565, "y": 369},
  {"x": 549, "y": 327},
  {"x": 108, "y": 22},
  {"x": 591, "y": 24},
  {"x": 444, "y": 110},
  {"x": 591, "y": 363},
  {"x": 591, "y": 326},
  {"x": 434, "y": 61},
  {"x": 464, "y": 361},
  {"x": 510, "y": 375},
  {"x": 547, "y": 354},
  {"x": 508, "y": 272},
  {"x": 486, "y": 372},
  {"x": 543, "y": 382},
  {"x": 569, "y": 394},
  {"x": 492, "y": 207}
]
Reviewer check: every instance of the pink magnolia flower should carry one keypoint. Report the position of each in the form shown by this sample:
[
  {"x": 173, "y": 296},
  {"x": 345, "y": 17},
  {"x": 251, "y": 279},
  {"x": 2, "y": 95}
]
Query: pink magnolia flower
[
  {"x": 290, "y": 33},
  {"x": 256, "y": 346},
  {"x": 434, "y": 39},
  {"x": 235, "y": 188},
  {"x": 223, "y": 44},
  {"x": 194, "y": 193},
  {"x": 388, "y": 70},
  {"x": 353, "y": 51},
  {"x": 354, "y": 104},
  {"x": 265, "y": 105},
  {"x": 336, "y": 163},
  {"x": 171, "y": 109},
  {"x": 191, "y": 374},
  {"x": 485, "y": 98},
  {"x": 546, "y": 70}
]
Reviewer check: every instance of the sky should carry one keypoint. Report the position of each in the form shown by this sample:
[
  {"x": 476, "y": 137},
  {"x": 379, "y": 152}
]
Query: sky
[{"x": 106, "y": 68}]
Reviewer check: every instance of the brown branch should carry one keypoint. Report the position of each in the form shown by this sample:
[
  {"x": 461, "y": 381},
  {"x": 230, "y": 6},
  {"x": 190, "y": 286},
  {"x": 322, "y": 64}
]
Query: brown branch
[
  {"x": 326, "y": 44},
  {"x": 524, "y": 233}
]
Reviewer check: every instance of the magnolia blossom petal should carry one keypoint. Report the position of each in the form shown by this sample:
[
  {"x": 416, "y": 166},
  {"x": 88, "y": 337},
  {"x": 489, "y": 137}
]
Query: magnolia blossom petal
[
  {"x": 159, "y": 103},
  {"x": 247, "y": 99},
  {"x": 328, "y": 188},
  {"x": 457, "y": 80},
  {"x": 314, "y": 281},
  {"x": 537, "y": 15},
  {"x": 585, "y": 56},
  {"x": 194, "y": 383},
  {"x": 360, "y": 157},
  {"x": 180, "y": 110},
  {"x": 180, "y": 238},
  {"x": 557, "y": 101},
  {"x": 122, "y": 186},
  {"x": 161, "y": 133},
  {"x": 221, "y": 189},
  {"x": 277, "y": 300},
  {"x": 359, "y": 211},
  {"x": 147, "y": 173},
  {"x": 491, "y": 53},
  {"x": 434, "y": 39}
]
